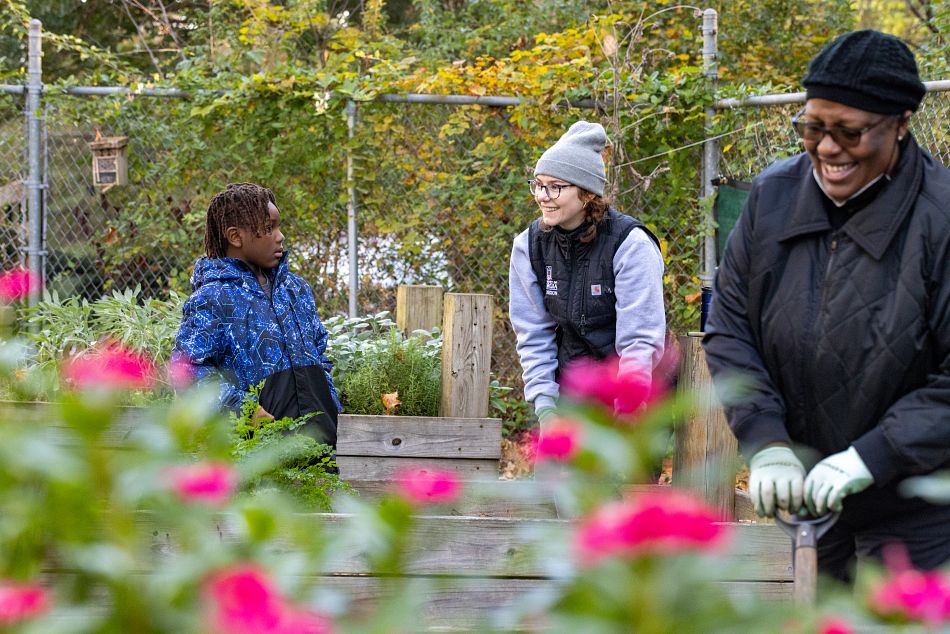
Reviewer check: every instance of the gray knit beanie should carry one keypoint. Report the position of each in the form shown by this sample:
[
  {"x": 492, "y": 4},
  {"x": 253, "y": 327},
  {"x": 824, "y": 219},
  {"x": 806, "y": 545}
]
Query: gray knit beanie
[
  {"x": 867, "y": 70},
  {"x": 576, "y": 157}
]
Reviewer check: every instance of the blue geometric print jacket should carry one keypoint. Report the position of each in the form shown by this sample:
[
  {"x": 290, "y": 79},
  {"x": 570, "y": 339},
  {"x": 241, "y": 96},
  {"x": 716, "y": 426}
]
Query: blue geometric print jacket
[{"x": 232, "y": 329}]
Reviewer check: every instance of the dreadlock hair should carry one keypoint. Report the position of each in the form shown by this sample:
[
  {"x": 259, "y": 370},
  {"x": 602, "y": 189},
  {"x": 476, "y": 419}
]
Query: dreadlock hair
[
  {"x": 242, "y": 205},
  {"x": 594, "y": 211}
]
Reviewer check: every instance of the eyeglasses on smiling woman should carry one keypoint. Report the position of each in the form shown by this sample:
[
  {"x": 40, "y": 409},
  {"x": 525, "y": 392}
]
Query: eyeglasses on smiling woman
[
  {"x": 553, "y": 191},
  {"x": 842, "y": 135}
]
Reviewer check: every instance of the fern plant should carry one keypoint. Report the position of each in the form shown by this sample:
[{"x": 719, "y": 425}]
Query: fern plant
[{"x": 302, "y": 467}]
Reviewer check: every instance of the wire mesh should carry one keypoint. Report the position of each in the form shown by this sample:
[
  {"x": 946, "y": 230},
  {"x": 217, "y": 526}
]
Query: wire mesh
[
  {"x": 758, "y": 136},
  {"x": 441, "y": 195},
  {"x": 13, "y": 227}
]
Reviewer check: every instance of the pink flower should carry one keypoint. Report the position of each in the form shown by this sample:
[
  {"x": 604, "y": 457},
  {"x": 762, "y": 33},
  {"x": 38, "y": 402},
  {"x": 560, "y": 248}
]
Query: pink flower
[
  {"x": 428, "y": 486},
  {"x": 181, "y": 373},
  {"x": 112, "y": 366},
  {"x": 559, "y": 441},
  {"x": 649, "y": 523},
  {"x": 209, "y": 482},
  {"x": 20, "y": 601},
  {"x": 914, "y": 595},
  {"x": 17, "y": 284},
  {"x": 834, "y": 625},
  {"x": 602, "y": 382},
  {"x": 243, "y": 600}
]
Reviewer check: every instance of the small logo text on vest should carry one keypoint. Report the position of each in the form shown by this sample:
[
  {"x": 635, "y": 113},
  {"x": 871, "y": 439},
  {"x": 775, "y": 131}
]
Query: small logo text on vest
[{"x": 551, "y": 283}]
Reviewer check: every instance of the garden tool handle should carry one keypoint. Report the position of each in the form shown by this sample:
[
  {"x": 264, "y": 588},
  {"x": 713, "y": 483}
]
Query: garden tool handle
[{"x": 805, "y": 533}]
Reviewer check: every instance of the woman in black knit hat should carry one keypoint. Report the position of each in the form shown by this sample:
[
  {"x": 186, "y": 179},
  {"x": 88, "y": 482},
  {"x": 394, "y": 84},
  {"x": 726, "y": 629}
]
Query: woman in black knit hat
[{"x": 832, "y": 300}]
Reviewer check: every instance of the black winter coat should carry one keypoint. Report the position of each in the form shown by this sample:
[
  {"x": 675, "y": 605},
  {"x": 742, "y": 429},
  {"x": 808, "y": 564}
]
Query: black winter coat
[{"x": 844, "y": 333}]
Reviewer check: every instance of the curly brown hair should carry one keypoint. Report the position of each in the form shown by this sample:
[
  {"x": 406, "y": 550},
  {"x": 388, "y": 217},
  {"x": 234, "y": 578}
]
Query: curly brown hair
[
  {"x": 242, "y": 205},
  {"x": 595, "y": 208}
]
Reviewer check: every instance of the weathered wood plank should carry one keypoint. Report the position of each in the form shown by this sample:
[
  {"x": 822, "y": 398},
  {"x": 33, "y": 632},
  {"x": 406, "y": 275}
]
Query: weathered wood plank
[
  {"x": 383, "y": 468},
  {"x": 419, "y": 436},
  {"x": 484, "y": 498},
  {"x": 410, "y": 436},
  {"x": 706, "y": 450},
  {"x": 466, "y": 602},
  {"x": 418, "y": 307},
  {"x": 496, "y": 547},
  {"x": 466, "y": 355}
]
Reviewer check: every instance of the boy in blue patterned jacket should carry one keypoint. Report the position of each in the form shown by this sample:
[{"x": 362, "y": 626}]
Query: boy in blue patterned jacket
[{"x": 249, "y": 319}]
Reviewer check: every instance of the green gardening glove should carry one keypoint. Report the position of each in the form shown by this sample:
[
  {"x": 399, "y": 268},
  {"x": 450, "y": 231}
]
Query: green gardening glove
[
  {"x": 835, "y": 477},
  {"x": 776, "y": 477}
]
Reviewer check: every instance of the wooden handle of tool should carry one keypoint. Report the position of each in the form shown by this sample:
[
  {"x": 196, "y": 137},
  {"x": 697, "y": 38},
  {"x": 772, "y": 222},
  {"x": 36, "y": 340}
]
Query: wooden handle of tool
[{"x": 806, "y": 575}]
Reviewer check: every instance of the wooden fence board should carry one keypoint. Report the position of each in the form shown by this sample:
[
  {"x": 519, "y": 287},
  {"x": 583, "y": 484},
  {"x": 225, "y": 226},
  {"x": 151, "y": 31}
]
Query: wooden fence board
[
  {"x": 466, "y": 354},
  {"x": 497, "y": 547},
  {"x": 482, "y": 498},
  {"x": 373, "y": 468},
  {"x": 418, "y": 307},
  {"x": 419, "y": 436}
]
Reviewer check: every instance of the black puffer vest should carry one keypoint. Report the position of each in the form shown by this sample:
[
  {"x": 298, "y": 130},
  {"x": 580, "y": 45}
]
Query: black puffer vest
[{"x": 577, "y": 280}]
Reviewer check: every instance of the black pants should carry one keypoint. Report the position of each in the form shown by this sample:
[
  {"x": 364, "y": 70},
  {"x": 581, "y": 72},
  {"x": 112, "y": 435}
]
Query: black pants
[{"x": 880, "y": 516}]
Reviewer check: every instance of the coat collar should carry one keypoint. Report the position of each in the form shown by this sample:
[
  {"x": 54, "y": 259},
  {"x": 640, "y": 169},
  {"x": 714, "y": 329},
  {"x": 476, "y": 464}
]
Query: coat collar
[{"x": 873, "y": 227}]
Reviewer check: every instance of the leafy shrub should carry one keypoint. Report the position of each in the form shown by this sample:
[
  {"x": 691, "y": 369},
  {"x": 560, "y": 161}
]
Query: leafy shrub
[
  {"x": 65, "y": 326},
  {"x": 371, "y": 358},
  {"x": 516, "y": 414}
]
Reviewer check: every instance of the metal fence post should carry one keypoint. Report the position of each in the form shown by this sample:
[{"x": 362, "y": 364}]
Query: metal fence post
[
  {"x": 351, "y": 229},
  {"x": 35, "y": 181},
  {"x": 710, "y": 169}
]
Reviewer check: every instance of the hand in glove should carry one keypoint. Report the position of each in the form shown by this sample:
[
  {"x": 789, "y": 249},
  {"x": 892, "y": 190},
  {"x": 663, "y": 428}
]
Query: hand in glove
[
  {"x": 833, "y": 478},
  {"x": 776, "y": 477}
]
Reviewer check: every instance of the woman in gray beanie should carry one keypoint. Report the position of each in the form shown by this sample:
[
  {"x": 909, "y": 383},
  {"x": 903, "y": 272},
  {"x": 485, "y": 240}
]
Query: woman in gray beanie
[
  {"x": 584, "y": 279},
  {"x": 832, "y": 300}
]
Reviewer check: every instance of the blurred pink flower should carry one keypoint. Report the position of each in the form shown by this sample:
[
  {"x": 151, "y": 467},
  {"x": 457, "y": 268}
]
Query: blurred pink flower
[
  {"x": 16, "y": 284},
  {"x": 559, "y": 441},
  {"x": 243, "y": 600},
  {"x": 834, "y": 625},
  {"x": 20, "y": 601},
  {"x": 210, "y": 482},
  {"x": 181, "y": 374},
  {"x": 111, "y": 366},
  {"x": 427, "y": 486},
  {"x": 649, "y": 523},
  {"x": 914, "y": 595},
  {"x": 602, "y": 382}
]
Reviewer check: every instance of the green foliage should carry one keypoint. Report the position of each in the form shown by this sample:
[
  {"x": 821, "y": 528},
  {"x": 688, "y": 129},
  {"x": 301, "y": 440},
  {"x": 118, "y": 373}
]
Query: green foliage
[
  {"x": 66, "y": 326},
  {"x": 302, "y": 467},
  {"x": 516, "y": 414},
  {"x": 764, "y": 41},
  {"x": 371, "y": 358}
]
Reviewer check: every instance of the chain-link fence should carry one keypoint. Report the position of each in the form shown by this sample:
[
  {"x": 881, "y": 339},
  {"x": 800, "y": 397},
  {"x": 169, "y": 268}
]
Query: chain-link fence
[
  {"x": 439, "y": 197},
  {"x": 12, "y": 175},
  {"x": 756, "y": 136}
]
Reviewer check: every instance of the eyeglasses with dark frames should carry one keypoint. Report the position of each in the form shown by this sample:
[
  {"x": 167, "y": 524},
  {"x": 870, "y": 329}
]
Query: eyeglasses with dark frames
[
  {"x": 553, "y": 191},
  {"x": 844, "y": 136}
]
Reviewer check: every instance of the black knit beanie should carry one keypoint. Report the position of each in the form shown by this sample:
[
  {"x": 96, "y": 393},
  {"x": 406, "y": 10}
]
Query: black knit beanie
[{"x": 867, "y": 70}]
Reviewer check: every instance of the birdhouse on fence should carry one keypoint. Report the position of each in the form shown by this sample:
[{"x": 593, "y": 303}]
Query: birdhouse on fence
[{"x": 110, "y": 161}]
